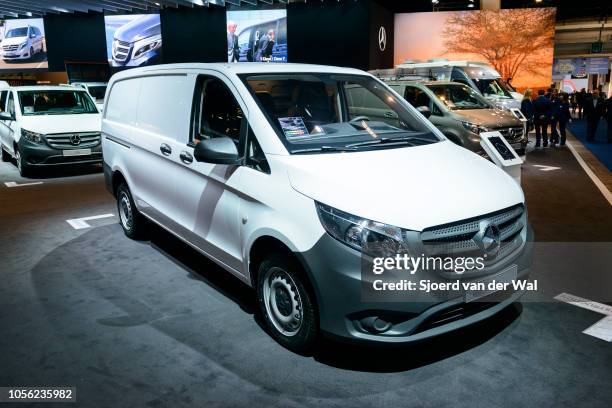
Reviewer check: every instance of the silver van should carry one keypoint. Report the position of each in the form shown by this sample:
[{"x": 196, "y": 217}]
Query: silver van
[{"x": 461, "y": 113}]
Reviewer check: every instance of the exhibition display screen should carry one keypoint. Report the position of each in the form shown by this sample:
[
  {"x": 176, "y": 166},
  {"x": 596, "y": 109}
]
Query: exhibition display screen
[
  {"x": 133, "y": 40},
  {"x": 257, "y": 35},
  {"x": 23, "y": 45}
]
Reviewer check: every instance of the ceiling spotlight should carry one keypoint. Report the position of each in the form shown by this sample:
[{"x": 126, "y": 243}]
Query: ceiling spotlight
[{"x": 435, "y": 1}]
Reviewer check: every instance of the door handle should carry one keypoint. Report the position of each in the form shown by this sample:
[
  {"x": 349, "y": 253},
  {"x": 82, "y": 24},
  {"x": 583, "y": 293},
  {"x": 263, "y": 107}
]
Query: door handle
[
  {"x": 165, "y": 149},
  {"x": 186, "y": 157},
  {"x": 389, "y": 114}
]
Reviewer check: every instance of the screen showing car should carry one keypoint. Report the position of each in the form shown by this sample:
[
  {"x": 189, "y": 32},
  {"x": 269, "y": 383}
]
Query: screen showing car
[
  {"x": 257, "y": 35},
  {"x": 133, "y": 40},
  {"x": 22, "y": 44}
]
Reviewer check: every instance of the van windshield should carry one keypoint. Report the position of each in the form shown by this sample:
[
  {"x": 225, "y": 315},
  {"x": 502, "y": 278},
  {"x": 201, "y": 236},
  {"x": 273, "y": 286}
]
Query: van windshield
[
  {"x": 55, "y": 102},
  {"x": 314, "y": 112},
  {"x": 17, "y": 32},
  {"x": 457, "y": 97},
  {"x": 492, "y": 87}
]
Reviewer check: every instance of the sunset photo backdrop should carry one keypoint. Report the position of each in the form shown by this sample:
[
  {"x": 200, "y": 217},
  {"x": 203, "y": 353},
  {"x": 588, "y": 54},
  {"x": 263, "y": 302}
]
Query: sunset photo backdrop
[{"x": 518, "y": 43}]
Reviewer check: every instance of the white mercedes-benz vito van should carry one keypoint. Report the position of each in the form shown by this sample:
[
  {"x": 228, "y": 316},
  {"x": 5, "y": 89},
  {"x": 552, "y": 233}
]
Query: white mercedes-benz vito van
[
  {"x": 276, "y": 172},
  {"x": 43, "y": 126}
]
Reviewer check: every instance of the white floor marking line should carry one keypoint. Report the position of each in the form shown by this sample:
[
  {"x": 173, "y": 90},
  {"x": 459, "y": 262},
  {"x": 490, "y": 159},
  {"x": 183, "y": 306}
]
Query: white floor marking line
[
  {"x": 546, "y": 168},
  {"x": 601, "y": 186},
  {"x": 81, "y": 223},
  {"x": 10, "y": 184},
  {"x": 601, "y": 329}
]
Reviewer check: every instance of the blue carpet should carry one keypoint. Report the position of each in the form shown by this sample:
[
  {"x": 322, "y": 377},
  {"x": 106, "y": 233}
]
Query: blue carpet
[{"x": 599, "y": 147}]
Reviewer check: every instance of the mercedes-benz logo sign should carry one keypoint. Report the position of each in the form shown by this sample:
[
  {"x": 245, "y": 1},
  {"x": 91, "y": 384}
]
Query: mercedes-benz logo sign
[
  {"x": 75, "y": 140},
  {"x": 488, "y": 238},
  {"x": 382, "y": 38}
]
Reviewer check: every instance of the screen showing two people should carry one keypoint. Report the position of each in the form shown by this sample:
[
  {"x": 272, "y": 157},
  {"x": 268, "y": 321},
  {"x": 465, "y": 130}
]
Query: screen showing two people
[{"x": 257, "y": 36}]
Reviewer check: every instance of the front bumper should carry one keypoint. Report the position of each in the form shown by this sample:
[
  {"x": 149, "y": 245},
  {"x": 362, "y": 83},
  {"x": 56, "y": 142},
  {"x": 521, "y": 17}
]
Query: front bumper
[
  {"x": 16, "y": 55},
  {"x": 335, "y": 270},
  {"x": 148, "y": 58},
  {"x": 43, "y": 155}
]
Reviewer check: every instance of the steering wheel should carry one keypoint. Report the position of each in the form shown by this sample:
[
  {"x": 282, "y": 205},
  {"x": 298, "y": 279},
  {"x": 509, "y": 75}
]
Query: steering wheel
[{"x": 359, "y": 118}]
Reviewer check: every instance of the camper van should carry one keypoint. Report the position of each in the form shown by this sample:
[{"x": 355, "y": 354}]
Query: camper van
[{"x": 477, "y": 75}]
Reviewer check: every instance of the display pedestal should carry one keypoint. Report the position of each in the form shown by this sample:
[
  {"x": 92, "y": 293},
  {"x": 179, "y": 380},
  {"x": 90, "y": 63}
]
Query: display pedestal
[{"x": 502, "y": 154}]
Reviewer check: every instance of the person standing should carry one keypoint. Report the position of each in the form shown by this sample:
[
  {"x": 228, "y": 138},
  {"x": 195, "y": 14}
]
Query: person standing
[
  {"x": 609, "y": 118},
  {"x": 580, "y": 97},
  {"x": 527, "y": 108},
  {"x": 594, "y": 109},
  {"x": 564, "y": 117},
  {"x": 541, "y": 112},
  {"x": 264, "y": 48},
  {"x": 233, "y": 50},
  {"x": 555, "y": 112}
]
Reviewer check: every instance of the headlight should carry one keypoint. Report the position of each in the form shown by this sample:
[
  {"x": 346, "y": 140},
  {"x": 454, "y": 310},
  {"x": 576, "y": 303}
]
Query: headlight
[
  {"x": 474, "y": 128},
  {"x": 148, "y": 44},
  {"x": 22, "y": 46},
  {"x": 371, "y": 237},
  {"x": 32, "y": 136}
]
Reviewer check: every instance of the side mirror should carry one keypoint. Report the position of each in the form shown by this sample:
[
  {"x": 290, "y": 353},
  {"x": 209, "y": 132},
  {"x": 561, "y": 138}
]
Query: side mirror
[
  {"x": 6, "y": 116},
  {"x": 424, "y": 110},
  {"x": 220, "y": 150},
  {"x": 32, "y": 35}
]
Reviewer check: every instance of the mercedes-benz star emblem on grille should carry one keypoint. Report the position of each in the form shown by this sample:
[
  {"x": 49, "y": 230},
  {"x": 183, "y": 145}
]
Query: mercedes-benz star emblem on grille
[
  {"x": 382, "y": 38},
  {"x": 488, "y": 238},
  {"x": 75, "y": 140}
]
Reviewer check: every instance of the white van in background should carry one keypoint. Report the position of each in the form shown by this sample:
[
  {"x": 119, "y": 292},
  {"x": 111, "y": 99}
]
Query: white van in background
[
  {"x": 275, "y": 173},
  {"x": 48, "y": 126},
  {"x": 97, "y": 90}
]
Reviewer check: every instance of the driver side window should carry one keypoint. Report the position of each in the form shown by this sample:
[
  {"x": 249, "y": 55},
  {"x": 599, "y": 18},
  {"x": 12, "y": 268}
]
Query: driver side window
[{"x": 217, "y": 113}]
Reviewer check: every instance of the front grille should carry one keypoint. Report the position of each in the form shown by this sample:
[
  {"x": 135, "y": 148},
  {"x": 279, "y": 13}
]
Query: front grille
[
  {"x": 458, "y": 238},
  {"x": 511, "y": 134},
  {"x": 66, "y": 141},
  {"x": 10, "y": 47},
  {"x": 121, "y": 50}
]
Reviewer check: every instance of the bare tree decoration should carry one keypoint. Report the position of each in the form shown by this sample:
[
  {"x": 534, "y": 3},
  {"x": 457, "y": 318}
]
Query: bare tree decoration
[{"x": 517, "y": 41}]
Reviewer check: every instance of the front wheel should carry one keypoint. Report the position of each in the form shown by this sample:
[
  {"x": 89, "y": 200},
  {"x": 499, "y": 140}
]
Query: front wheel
[
  {"x": 132, "y": 221},
  {"x": 286, "y": 303},
  {"x": 6, "y": 157},
  {"x": 22, "y": 166}
]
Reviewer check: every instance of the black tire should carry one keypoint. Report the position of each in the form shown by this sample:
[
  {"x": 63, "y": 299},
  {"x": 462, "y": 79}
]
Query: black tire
[
  {"x": 24, "y": 169},
  {"x": 279, "y": 280},
  {"x": 132, "y": 221},
  {"x": 6, "y": 157}
]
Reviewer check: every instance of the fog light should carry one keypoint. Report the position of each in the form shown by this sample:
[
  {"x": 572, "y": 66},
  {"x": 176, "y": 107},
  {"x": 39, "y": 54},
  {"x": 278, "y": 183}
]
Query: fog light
[{"x": 375, "y": 324}]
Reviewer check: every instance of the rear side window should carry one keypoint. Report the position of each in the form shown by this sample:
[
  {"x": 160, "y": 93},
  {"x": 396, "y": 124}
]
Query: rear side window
[
  {"x": 163, "y": 105},
  {"x": 3, "y": 98},
  {"x": 123, "y": 101}
]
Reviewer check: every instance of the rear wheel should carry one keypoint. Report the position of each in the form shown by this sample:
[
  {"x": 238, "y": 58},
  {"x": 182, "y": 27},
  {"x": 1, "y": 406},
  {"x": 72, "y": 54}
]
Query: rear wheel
[
  {"x": 286, "y": 303},
  {"x": 132, "y": 221}
]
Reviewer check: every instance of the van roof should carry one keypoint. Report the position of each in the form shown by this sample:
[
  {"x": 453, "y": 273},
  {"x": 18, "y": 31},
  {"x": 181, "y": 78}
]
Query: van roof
[
  {"x": 45, "y": 88},
  {"x": 241, "y": 68}
]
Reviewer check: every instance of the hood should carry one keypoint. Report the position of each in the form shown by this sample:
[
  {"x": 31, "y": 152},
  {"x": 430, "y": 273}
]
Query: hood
[
  {"x": 412, "y": 188},
  {"x": 505, "y": 103},
  {"x": 489, "y": 118},
  {"x": 139, "y": 28},
  {"x": 49, "y": 124},
  {"x": 14, "y": 40}
]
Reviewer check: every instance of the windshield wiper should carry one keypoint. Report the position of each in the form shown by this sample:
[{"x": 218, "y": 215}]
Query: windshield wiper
[
  {"x": 325, "y": 149},
  {"x": 399, "y": 140}
]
